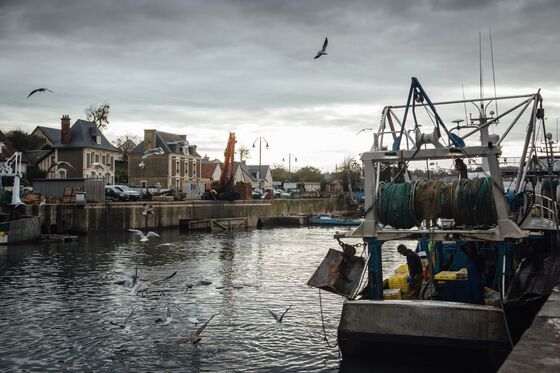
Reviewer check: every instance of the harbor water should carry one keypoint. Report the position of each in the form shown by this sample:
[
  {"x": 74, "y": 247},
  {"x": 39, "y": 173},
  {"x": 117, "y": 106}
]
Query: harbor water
[{"x": 59, "y": 303}]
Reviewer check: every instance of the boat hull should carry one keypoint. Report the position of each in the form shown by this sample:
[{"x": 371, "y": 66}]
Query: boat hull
[
  {"x": 22, "y": 230},
  {"x": 415, "y": 329}
]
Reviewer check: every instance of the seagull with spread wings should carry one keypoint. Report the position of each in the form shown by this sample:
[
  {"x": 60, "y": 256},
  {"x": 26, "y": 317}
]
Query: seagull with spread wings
[
  {"x": 39, "y": 90},
  {"x": 124, "y": 324},
  {"x": 279, "y": 318},
  {"x": 194, "y": 338},
  {"x": 154, "y": 151},
  {"x": 100, "y": 165},
  {"x": 144, "y": 237},
  {"x": 58, "y": 164},
  {"x": 322, "y": 51}
]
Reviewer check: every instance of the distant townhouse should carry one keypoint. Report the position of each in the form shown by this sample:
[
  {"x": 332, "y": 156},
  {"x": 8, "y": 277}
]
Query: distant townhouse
[
  {"x": 83, "y": 146},
  {"x": 178, "y": 168},
  {"x": 263, "y": 173},
  {"x": 210, "y": 170}
]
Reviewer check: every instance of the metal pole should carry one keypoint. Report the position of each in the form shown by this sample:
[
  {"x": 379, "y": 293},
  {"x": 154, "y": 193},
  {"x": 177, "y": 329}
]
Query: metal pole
[{"x": 260, "y": 171}]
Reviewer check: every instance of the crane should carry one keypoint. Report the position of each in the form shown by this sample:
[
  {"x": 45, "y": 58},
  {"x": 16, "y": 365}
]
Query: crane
[{"x": 223, "y": 188}]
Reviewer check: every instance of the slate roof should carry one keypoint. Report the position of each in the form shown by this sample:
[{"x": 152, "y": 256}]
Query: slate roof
[
  {"x": 169, "y": 143},
  {"x": 82, "y": 135},
  {"x": 53, "y": 134},
  {"x": 255, "y": 168},
  {"x": 245, "y": 169},
  {"x": 35, "y": 156}
]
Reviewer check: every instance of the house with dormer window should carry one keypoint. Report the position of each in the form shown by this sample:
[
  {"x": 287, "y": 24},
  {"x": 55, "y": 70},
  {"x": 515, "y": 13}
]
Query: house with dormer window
[
  {"x": 83, "y": 146},
  {"x": 178, "y": 168}
]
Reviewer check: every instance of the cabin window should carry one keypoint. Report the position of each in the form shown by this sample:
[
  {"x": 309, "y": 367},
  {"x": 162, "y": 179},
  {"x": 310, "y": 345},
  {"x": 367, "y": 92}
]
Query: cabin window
[
  {"x": 103, "y": 159},
  {"x": 143, "y": 183},
  {"x": 186, "y": 169},
  {"x": 98, "y": 140},
  {"x": 88, "y": 159},
  {"x": 62, "y": 174},
  {"x": 194, "y": 169},
  {"x": 177, "y": 167},
  {"x": 97, "y": 157}
]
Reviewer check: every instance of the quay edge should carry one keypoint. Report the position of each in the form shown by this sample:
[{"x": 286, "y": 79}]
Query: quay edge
[{"x": 120, "y": 216}]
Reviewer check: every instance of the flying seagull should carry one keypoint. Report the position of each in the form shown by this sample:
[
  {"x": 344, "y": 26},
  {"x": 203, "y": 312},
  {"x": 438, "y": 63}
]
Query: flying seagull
[
  {"x": 123, "y": 325},
  {"x": 167, "y": 319},
  {"x": 100, "y": 165},
  {"x": 279, "y": 319},
  {"x": 154, "y": 151},
  {"x": 39, "y": 90},
  {"x": 58, "y": 164},
  {"x": 141, "y": 165},
  {"x": 148, "y": 209},
  {"x": 194, "y": 338},
  {"x": 322, "y": 51},
  {"x": 142, "y": 286},
  {"x": 144, "y": 237}
]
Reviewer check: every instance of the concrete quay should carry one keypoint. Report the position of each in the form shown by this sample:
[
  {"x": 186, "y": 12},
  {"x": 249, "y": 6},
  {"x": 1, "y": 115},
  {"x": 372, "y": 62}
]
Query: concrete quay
[
  {"x": 539, "y": 347},
  {"x": 120, "y": 216}
]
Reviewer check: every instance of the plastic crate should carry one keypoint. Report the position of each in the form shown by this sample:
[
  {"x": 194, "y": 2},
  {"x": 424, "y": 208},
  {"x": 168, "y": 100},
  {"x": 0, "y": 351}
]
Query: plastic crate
[
  {"x": 401, "y": 271},
  {"x": 398, "y": 283},
  {"x": 392, "y": 294}
]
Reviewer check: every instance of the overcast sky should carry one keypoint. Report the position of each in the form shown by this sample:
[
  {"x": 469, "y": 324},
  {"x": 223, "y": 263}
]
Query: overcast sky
[{"x": 205, "y": 68}]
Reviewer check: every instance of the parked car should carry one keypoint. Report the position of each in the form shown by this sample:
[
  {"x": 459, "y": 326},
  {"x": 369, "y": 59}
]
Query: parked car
[
  {"x": 258, "y": 193},
  {"x": 121, "y": 193}
]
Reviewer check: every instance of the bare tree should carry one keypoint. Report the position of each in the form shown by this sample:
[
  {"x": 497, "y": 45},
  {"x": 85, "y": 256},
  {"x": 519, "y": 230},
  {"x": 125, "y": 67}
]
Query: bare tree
[
  {"x": 98, "y": 115},
  {"x": 125, "y": 144},
  {"x": 243, "y": 153}
]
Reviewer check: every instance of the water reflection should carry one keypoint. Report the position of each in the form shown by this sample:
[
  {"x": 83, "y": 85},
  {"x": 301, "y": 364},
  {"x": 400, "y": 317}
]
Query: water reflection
[{"x": 57, "y": 301}]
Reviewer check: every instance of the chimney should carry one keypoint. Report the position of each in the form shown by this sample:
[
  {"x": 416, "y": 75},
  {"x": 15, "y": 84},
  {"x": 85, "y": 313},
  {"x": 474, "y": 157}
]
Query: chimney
[
  {"x": 149, "y": 139},
  {"x": 65, "y": 129}
]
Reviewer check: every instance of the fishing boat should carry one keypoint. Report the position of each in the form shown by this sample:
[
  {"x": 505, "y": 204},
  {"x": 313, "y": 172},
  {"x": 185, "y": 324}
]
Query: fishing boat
[
  {"x": 333, "y": 220},
  {"x": 492, "y": 258}
]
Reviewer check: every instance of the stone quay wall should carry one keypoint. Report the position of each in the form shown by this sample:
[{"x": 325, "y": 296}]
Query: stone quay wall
[{"x": 120, "y": 216}]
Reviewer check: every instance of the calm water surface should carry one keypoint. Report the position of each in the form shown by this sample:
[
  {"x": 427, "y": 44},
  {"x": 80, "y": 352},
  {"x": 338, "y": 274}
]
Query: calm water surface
[{"x": 57, "y": 302}]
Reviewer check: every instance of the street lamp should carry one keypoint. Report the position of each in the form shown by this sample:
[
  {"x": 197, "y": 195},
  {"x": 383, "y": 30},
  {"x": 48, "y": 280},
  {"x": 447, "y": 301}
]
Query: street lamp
[
  {"x": 259, "y": 172},
  {"x": 289, "y": 164}
]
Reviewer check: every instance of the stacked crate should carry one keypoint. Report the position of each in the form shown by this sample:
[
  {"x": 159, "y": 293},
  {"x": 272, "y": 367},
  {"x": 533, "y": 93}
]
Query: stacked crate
[{"x": 399, "y": 279}]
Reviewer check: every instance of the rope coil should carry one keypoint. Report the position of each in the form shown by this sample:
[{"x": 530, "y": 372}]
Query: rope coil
[{"x": 468, "y": 202}]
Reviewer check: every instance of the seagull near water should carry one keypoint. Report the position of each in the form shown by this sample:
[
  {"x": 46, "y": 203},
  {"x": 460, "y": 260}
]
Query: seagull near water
[
  {"x": 39, "y": 90},
  {"x": 144, "y": 237},
  {"x": 322, "y": 51},
  {"x": 279, "y": 318},
  {"x": 194, "y": 338},
  {"x": 124, "y": 324},
  {"x": 154, "y": 151},
  {"x": 167, "y": 319}
]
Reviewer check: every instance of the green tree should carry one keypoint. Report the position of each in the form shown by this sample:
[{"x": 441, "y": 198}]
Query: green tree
[
  {"x": 279, "y": 173},
  {"x": 22, "y": 140},
  {"x": 308, "y": 174},
  {"x": 350, "y": 172},
  {"x": 98, "y": 115}
]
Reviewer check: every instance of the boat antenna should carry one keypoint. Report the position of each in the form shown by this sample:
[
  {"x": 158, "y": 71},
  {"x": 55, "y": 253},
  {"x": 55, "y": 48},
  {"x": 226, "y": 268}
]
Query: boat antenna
[
  {"x": 480, "y": 67},
  {"x": 465, "y": 104},
  {"x": 493, "y": 71}
]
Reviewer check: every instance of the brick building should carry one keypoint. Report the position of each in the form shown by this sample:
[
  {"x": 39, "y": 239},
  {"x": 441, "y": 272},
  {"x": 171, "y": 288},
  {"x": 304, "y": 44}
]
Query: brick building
[{"x": 177, "y": 168}]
